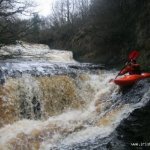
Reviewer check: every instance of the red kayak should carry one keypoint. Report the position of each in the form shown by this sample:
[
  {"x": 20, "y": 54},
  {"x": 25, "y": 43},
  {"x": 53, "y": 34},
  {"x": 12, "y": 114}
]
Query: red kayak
[{"x": 130, "y": 79}]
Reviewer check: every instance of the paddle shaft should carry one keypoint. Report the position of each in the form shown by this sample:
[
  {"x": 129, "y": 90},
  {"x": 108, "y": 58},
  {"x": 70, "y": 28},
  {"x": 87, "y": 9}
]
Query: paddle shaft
[{"x": 119, "y": 72}]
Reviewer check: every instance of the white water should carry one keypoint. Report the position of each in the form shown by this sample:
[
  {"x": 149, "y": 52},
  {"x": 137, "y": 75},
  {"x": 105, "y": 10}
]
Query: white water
[
  {"x": 104, "y": 111},
  {"x": 36, "y": 52}
]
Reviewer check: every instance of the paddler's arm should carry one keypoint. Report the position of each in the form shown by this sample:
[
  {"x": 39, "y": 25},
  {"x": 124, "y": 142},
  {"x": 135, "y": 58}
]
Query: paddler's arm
[{"x": 125, "y": 70}]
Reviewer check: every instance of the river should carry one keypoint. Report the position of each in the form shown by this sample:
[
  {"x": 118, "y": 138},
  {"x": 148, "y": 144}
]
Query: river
[{"x": 48, "y": 101}]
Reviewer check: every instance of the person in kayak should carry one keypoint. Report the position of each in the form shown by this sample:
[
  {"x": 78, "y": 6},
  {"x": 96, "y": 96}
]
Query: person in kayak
[{"x": 132, "y": 68}]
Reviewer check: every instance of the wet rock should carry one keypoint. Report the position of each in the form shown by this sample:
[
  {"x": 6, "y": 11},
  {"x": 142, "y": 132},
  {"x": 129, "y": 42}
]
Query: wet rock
[{"x": 136, "y": 129}]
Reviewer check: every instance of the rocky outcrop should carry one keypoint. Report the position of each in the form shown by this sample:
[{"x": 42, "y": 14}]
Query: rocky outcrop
[{"x": 135, "y": 130}]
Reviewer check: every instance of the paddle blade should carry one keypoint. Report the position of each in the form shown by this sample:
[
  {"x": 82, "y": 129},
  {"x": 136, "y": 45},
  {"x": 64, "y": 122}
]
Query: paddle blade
[{"x": 133, "y": 55}]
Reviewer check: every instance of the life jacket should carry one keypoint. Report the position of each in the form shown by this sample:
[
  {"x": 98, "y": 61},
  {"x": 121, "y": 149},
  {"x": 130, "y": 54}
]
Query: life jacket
[{"x": 131, "y": 69}]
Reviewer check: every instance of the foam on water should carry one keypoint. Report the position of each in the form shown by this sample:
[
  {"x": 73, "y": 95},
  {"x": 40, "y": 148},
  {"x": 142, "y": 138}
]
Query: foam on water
[
  {"x": 36, "y": 51},
  {"x": 99, "y": 118}
]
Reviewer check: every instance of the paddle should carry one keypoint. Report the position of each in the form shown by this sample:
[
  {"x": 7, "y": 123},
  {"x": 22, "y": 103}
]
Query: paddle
[{"x": 132, "y": 56}]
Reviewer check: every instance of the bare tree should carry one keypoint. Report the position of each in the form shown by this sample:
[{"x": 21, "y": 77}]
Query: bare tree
[
  {"x": 83, "y": 8},
  {"x": 67, "y": 11},
  {"x": 63, "y": 10},
  {"x": 9, "y": 12},
  {"x": 8, "y": 8}
]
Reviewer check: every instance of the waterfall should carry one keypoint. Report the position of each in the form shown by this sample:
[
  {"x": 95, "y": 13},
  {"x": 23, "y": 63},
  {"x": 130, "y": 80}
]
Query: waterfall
[{"x": 52, "y": 105}]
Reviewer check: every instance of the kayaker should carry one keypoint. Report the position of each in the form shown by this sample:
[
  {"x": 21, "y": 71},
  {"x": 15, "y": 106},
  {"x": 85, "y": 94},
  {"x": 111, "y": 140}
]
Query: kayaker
[{"x": 132, "y": 68}]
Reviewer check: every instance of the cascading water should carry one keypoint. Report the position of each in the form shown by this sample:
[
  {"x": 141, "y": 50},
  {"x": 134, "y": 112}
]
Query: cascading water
[{"x": 62, "y": 106}]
